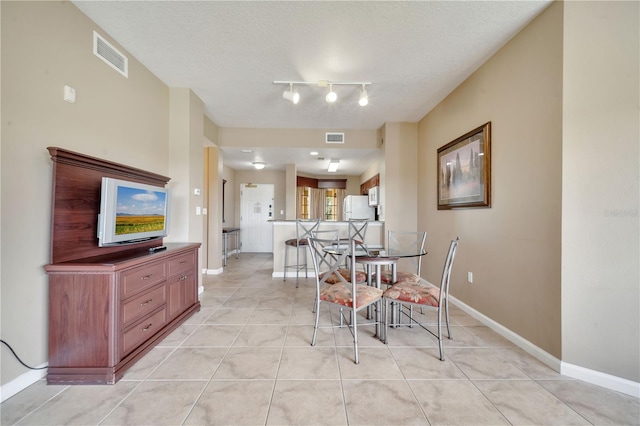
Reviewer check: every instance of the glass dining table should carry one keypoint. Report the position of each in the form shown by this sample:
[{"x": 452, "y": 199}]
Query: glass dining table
[{"x": 373, "y": 259}]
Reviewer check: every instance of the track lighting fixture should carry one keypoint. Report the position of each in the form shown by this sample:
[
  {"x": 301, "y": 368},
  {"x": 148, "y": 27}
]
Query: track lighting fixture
[
  {"x": 290, "y": 95},
  {"x": 364, "y": 98},
  {"x": 259, "y": 165},
  {"x": 331, "y": 96},
  {"x": 293, "y": 96}
]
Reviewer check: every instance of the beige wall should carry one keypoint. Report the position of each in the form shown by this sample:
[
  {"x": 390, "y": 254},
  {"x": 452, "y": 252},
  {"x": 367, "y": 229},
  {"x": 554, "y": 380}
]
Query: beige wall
[
  {"x": 46, "y": 45},
  {"x": 186, "y": 145},
  {"x": 600, "y": 250},
  {"x": 299, "y": 138},
  {"x": 399, "y": 193},
  {"x": 215, "y": 172},
  {"x": 512, "y": 248},
  {"x": 231, "y": 219}
]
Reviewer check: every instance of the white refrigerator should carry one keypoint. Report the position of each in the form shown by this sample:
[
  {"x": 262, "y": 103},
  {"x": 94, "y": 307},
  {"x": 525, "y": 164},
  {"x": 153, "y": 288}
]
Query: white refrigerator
[{"x": 357, "y": 207}]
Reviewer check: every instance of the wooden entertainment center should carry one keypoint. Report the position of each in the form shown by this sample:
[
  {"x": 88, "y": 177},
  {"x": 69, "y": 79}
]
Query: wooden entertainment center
[{"x": 108, "y": 306}]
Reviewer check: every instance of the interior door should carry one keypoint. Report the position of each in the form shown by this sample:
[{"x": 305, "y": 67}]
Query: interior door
[{"x": 256, "y": 209}]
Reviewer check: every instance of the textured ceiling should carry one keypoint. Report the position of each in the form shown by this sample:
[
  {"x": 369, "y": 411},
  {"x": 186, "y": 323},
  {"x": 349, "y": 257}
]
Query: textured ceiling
[{"x": 229, "y": 54}]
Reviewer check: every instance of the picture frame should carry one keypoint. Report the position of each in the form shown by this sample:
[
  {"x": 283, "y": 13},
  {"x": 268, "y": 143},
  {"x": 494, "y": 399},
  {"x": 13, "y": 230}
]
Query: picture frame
[{"x": 464, "y": 170}]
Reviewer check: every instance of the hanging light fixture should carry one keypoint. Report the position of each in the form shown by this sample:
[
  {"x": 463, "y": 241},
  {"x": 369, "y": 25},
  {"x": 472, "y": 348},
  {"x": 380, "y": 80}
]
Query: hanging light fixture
[
  {"x": 364, "y": 98},
  {"x": 259, "y": 165},
  {"x": 331, "y": 96},
  {"x": 290, "y": 95}
]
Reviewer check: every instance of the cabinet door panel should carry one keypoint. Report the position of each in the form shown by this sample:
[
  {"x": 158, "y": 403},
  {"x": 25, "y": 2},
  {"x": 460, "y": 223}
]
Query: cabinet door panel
[
  {"x": 191, "y": 291},
  {"x": 176, "y": 296}
]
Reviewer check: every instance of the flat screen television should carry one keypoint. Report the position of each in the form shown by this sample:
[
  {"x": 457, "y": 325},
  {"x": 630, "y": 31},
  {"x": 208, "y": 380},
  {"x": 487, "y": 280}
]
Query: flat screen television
[{"x": 131, "y": 212}]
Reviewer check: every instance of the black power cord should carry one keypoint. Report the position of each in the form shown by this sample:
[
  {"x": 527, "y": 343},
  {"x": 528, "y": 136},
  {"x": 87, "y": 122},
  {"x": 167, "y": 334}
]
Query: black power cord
[{"x": 18, "y": 358}]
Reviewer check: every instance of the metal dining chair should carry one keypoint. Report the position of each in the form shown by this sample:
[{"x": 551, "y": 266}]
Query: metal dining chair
[
  {"x": 403, "y": 242},
  {"x": 304, "y": 230},
  {"x": 426, "y": 296},
  {"x": 358, "y": 231},
  {"x": 350, "y": 295}
]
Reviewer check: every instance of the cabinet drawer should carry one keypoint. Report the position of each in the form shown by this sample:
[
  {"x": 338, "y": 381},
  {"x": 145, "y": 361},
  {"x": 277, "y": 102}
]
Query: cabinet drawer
[
  {"x": 140, "y": 278},
  {"x": 143, "y": 304},
  {"x": 143, "y": 330},
  {"x": 185, "y": 262}
]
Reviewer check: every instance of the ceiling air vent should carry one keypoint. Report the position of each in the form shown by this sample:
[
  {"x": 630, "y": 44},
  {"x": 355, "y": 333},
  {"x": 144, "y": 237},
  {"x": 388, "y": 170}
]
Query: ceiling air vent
[
  {"x": 105, "y": 51},
  {"x": 334, "y": 138}
]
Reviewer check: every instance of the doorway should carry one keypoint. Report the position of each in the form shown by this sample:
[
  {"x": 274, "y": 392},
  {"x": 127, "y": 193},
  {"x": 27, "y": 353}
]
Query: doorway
[{"x": 256, "y": 209}]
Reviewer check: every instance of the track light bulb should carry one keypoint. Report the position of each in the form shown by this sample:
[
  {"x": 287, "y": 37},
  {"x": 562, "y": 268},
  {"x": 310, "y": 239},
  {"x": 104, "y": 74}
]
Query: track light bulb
[
  {"x": 364, "y": 98},
  {"x": 290, "y": 95},
  {"x": 331, "y": 96}
]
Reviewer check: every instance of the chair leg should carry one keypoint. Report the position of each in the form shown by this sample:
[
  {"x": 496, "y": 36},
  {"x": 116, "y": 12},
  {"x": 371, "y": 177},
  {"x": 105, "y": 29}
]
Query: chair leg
[
  {"x": 286, "y": 253},
  {"x": 385, "y": 319},
  {"x": 315, "y": 326},
  {"x": 440, "y": 333},
  {"x": 297, "y": 264},
  {"x": 355, "y": 334},
  {"x": 446, "y": 312}
]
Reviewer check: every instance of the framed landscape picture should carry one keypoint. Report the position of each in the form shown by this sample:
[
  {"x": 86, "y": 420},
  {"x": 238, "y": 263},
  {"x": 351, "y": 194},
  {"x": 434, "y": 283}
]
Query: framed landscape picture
[{"x": 464, "y": 170}]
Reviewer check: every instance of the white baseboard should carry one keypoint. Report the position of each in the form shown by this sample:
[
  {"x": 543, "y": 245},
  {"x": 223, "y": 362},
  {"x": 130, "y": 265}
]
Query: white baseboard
[
  {"x": 601, "y": 379},
  {"x": 514, "y": 338},
  {"x": 590, "y": 376},
  {"x": 21, "y": 382},
  {"x": 213, "y": 271}
]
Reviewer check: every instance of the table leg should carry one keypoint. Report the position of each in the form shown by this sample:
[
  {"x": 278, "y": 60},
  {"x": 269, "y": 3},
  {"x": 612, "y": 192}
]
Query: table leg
[
  {"x": 237, "y": 243},
  {"x": 225, "y": 248},
  {"x": 379, "y": 308}
]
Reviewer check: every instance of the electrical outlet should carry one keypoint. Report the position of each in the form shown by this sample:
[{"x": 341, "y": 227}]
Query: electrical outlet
[{"x": 470, "y": 277}]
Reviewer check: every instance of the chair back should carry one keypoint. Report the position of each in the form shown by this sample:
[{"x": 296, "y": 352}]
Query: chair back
[
  {"x": 326, "y": 234},
  {"x": 358, "y": 231},
  {"x": 403, "y": 242},
  {"x": 328, "y": 256},
  {"x": 446, "y": 271},
  {"x": 305, "y": 228}
]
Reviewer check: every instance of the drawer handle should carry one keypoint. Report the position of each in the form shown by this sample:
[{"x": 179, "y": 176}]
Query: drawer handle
[
  {"x": 182, "y": 278},
  {"x": 146, "y": 328},
  {"x": 147, "y": 302},
  {"x": 146, "y": 277},
  {"x": 183, "y": 262}
]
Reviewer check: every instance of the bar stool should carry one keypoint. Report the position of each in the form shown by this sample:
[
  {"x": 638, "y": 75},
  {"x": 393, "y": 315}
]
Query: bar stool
[{"x": 304, "y": 229}]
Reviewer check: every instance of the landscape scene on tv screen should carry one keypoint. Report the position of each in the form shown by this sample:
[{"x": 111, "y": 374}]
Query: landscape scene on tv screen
[{"x": 139, "y": 210}]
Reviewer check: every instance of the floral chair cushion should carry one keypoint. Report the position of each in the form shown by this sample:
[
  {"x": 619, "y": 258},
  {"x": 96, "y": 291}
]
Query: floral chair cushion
[
  {"x": 414, "y": 293},
  {"x": 387, "y": 277},
  {"x": 346, "y": 273},
  {"x": 341, "y": 295}
]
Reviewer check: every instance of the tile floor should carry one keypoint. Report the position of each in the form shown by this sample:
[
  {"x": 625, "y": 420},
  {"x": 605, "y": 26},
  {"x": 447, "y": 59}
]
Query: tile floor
[{"x": 246, "y": 359}]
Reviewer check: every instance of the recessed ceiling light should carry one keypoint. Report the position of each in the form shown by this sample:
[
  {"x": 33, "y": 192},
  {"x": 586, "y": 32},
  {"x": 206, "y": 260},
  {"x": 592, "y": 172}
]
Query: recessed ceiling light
[
  {"x": 247, "y": 150},
  {"x": 333, "y": 166},
  {"x": 314, "y": 153}
]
